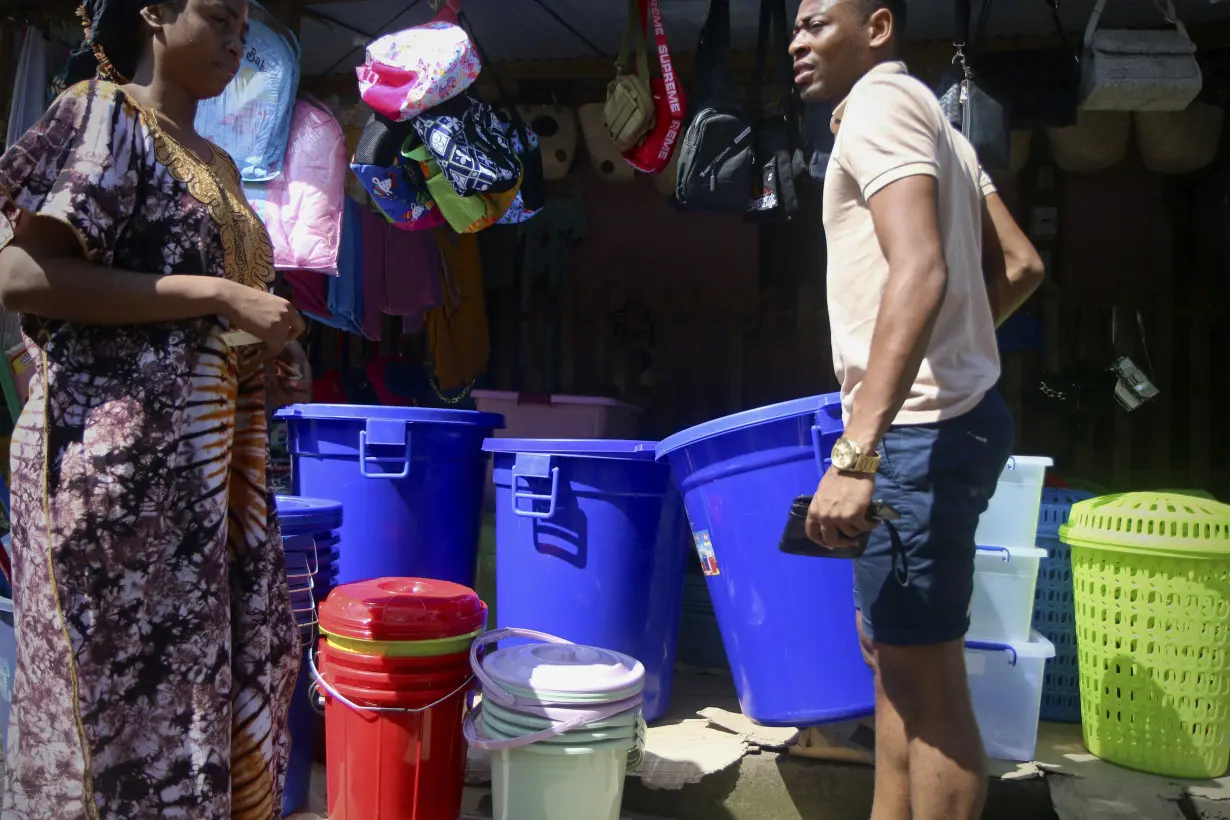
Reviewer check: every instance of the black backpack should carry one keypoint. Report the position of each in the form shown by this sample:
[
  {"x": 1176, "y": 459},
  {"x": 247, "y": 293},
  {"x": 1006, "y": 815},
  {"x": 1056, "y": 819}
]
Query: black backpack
[
  {"x": 778, "y": 134},
  {"x": 717, "y": 167}
]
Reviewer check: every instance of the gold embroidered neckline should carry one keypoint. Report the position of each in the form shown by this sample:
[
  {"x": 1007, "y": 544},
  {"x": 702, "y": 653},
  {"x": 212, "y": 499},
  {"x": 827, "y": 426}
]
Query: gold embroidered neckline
[{"x": 247, "y": 251}]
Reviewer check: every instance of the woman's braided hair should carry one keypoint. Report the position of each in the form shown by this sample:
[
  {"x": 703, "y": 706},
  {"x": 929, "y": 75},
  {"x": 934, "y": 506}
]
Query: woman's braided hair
[{"x": 113, "y": 41}]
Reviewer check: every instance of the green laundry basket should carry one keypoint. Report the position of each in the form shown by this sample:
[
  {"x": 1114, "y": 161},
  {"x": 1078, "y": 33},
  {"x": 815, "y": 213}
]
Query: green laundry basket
[{"x": 1151, "y": 575}]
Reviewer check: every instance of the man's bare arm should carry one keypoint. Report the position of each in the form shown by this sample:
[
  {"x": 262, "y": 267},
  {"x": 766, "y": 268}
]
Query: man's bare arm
[
  {"x": 906, "y": 218},
  {"x": 1010, "y": 262}
]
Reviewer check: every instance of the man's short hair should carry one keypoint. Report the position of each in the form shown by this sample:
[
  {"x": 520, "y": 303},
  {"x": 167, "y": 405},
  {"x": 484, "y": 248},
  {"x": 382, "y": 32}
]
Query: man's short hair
[{"x": 897, "y": 7}]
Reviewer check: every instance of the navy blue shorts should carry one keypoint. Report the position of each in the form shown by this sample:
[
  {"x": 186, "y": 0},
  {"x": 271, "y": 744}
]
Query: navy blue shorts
[{"x": 914, "y": 586}]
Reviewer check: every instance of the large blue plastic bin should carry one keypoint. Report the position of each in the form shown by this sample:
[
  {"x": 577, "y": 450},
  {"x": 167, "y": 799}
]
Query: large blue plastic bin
[
  {"x": 591, "y": 544},
  {"x": 788, "y": 622},
  {"x": 409, "y": 478}
]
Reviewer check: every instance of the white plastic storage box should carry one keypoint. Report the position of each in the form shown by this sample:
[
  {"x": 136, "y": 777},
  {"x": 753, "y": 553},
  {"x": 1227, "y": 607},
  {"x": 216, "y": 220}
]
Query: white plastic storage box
[
  {"x": 532, "y": 416},
  {"x": 1011, "y": 520},
  {"x": 1005, "y": 579},
  {"x": 1005, "y": 683}
]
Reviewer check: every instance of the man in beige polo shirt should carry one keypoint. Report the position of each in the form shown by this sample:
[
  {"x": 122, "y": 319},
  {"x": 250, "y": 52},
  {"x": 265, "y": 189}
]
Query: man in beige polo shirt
[{"x": 923, "y": 261}]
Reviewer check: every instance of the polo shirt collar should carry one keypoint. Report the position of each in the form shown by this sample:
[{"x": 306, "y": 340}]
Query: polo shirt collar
[{"x": 889, "y": 67}]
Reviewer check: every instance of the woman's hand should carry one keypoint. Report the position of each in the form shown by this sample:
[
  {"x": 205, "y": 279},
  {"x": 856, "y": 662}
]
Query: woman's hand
[
  {"x": 269, "y": 318},
  {"x": 289, "y": 377}
]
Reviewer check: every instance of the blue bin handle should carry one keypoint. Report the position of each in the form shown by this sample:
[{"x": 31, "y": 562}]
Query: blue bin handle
[
  {"x": 994, "y": 647},
  {"x": 1007, "y": 552},
  {"x": 532, "y": 467},
  {"x": 822, "y": 459},
  {"x": 384, "y": 433}
]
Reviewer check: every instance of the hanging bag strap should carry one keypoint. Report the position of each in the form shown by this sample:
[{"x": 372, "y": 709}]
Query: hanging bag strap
[
  {"x": 762, "y": 52},
  {"x": 1164, "y": 7},
  {"x": 1053, "y": 7},
  {"x": 713, "y": 54},
  {"x": 787, "y": 103},
  {"x": 634, "y": 38}
]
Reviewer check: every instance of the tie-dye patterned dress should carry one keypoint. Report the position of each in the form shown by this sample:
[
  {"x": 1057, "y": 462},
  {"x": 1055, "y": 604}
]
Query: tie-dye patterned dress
[{"x": 157, "y": 651}]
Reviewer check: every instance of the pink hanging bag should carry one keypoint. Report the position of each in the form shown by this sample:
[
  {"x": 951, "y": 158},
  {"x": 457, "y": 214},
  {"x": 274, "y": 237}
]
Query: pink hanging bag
[{"x": 416, "y": 69}]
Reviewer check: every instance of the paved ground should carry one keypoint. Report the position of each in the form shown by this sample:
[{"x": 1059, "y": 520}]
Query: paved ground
[{"x": 696, "y": 770}]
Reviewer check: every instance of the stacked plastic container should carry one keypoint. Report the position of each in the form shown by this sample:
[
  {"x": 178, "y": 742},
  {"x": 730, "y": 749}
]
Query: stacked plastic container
[
  {"x": 1152, "y": 579},
  {"x": 1004, "y": 658},
  {"x": 394, "y": 671},
  {"x": 562, "y": 722},
  {"x": 311, "y": 541},
  {"x": 1054, "y": 610}
]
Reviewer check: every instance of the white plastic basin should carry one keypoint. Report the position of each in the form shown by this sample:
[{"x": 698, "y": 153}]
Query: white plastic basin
[
  {"x": 1004, "y": 582},
  {"x": 1011, "y": 519},
  {"x": 1005, "y": 683}
]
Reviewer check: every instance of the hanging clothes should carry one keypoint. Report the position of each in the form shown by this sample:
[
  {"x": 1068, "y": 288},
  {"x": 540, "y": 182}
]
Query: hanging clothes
[
  {"x": 374, "y": 229},
  {"x": 346, "y": 289},
  {"x": 29, "y": 85},
  {"x": 412, "y": 284},
  {"x": 309, "y": 294},
  {"x": 457, "y": 330},
  {"x": 548, "y": 238}
]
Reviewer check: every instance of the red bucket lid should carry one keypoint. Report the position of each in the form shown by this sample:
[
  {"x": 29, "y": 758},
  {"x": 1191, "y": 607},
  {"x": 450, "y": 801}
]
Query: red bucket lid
[{"x": 402, "y": 609}]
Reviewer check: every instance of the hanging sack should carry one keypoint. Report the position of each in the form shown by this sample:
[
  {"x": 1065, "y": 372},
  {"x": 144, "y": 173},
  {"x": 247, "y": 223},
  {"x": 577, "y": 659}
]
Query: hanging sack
[
  {"x": 530, "y": 196},
  {"x": 605, "y": 158},
  {"x": 1039, "y": 87},
  {"x": 777, "y": 137},
  {"x": 1179, "y": 142},
  {"x": 395, "y": 184},
  {"x": 302, "y": 207},
  {"x": 1099, "y": 140},
  {"x": 250, "y": 119},
  {"x": 716, "y": 163},
  {"x": 469, "y": 146},
  {"x": 464, "y": 214},
  {"x": 417, "y": 69},
  {"x": 969, "y": 105},
  {"x": 556, "y": 127},
  {"x": 1130, "y": 70},
  {"x": 629, "y": 113},
  {"x": 508, "y": 123},
  {"x": 653, "y": 153}
]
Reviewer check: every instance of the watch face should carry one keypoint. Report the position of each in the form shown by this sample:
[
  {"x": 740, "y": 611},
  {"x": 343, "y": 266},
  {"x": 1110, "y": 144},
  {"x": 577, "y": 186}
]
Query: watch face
[{"x": 845, "y": 455}]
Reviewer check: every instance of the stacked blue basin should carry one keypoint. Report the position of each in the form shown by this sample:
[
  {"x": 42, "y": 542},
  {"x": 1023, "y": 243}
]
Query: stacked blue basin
[{"x": 311, "y": 537}]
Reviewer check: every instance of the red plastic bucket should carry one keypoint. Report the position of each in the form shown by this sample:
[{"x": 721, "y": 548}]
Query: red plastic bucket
[
  {"x": 388, "y": 764},
  {"x": 379, "y": 674},
  {"x": 393, "y": 725}
]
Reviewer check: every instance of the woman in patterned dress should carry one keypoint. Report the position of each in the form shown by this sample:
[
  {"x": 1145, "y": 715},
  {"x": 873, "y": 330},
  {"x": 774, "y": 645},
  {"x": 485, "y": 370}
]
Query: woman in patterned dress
[{"x": 157, "y": 651}]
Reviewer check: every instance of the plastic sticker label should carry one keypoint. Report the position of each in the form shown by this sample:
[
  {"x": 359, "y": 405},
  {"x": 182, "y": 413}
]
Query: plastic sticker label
[{"x": 704, "y": 549}]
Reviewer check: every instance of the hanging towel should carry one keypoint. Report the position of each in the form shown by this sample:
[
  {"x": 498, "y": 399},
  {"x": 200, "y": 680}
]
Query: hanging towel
[
  {"x": 375, "y": 231},
  {"x": 29, "y": 85},
  {"x": 411, "y": 275},
  {"x": 346, "y": 289},
  {"x": 457, "y": 330}
]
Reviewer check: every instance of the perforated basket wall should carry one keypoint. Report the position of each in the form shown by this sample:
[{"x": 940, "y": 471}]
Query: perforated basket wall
[
  {"x": 1152, "y": 594},
  {"x": 1054, "y": 612}
]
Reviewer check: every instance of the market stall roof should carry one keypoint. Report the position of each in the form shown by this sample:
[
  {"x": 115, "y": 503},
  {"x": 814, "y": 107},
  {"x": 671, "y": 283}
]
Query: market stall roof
[{"x": 515, "y": 30}]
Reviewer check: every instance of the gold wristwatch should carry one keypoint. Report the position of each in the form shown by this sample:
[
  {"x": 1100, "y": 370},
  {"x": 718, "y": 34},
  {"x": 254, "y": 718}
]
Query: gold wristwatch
[{"x": 848, "y": 457}]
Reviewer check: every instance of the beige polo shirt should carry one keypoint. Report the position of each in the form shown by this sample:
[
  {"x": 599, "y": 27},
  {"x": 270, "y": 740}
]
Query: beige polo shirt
[{"x": 889, "y": 128}]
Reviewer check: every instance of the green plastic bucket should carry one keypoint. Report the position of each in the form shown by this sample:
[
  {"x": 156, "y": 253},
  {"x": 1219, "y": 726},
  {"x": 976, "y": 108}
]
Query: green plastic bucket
[{"x": 559, "y": 781}]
